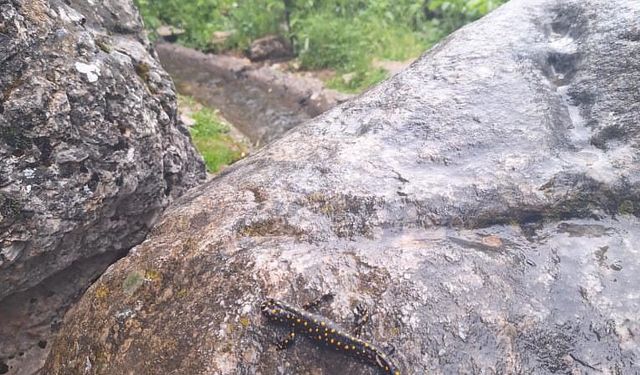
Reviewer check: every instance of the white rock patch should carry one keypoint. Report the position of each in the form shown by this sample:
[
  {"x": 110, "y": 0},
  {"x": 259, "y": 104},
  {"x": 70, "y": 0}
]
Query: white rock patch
[{"x": 91, "y": 71}]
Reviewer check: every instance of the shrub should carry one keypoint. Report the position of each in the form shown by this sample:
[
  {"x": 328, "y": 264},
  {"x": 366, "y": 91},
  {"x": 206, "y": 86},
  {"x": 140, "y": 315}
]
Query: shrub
[{"x": 344, "y": 35}]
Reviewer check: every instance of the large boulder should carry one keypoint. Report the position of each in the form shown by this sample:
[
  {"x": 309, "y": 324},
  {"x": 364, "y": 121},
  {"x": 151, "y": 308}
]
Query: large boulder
[
  {"x": 90, "y": 153},
  {"x": 483, "y": 204}
]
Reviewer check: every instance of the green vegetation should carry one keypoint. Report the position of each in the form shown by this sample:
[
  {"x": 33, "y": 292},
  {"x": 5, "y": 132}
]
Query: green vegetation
[
  {"x": 343, "y": 35},
  {"x": 211, "y": 136}
]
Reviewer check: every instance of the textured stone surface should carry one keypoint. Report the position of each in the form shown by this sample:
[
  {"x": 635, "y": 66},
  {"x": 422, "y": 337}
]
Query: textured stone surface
[
  {"x": 483, "y": 204},
  {"x": 90, "y": 152}
]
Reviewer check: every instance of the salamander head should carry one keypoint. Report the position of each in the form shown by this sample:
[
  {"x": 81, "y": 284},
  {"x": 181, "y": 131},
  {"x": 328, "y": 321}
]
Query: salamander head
[{"x": 275, "y": 310}]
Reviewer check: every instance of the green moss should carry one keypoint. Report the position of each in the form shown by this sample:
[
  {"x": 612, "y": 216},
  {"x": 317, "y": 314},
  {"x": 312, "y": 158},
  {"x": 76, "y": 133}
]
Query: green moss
[
  {"x": 134, "y": 280},
  {"x": 245, "y": 321},
  {"x": 340, "y": 207},
  {"x": 104, "y": 45},
  {"x": 102, "y": 292},
  {"x": 626, "y": 207},
  {"x": 152, "y": 275},
  {"x": 216, "y": 152},
  {"x": 211, "y": 137},
  {"x": 143, "y": 69},
  {"x": 271, "y": 227}
]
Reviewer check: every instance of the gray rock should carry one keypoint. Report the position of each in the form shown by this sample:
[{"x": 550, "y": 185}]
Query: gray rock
[
  {"x": 169, "y": 33},
  {"x": 90, "y": 152},
  {"x": 270, "y": 47},
  {"x": 482, "y": 204}
]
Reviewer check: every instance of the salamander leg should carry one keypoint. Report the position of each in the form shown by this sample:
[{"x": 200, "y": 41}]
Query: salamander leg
[
  {"x": 389, "y": 349},
  {"x": 287, "y": 342},
  {"x": 313, "y": 304},
  {"x": 361, "y": 318}
]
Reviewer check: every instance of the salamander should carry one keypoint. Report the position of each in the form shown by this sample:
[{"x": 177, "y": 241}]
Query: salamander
[{"x": 325, "y": 332}]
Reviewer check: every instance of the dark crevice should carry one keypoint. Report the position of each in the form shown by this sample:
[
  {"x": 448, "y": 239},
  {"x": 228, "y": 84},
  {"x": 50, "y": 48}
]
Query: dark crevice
[
  {"x": 44, "y": 145},
  {"x": 57, "y": 292},
  {"x": 564, "y": 66},
  {"x": 93, "y": 181}
]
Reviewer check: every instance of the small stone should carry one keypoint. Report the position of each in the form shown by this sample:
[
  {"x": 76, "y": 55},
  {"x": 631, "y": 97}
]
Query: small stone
[
  {"x": 492, "y": 241},
  {"x": 187, "y": 120},
  {"x": 92, "y": 72},
  {"x": 269, "y": 48},
  {"x": 220, "y": 37},
  {"x": 169, "y": 30}
]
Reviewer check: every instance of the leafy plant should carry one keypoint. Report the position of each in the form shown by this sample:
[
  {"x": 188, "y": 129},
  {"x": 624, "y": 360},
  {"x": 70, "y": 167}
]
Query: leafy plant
[
  {"x": 344, "y": 35},
  {"x": 456, "y": 13}
]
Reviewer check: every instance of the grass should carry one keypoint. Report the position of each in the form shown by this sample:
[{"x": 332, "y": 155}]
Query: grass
[
  {"x": 211, "y": 136},
  {"x": 361, "y": 79},
  {"x": 341, "y": 35}
]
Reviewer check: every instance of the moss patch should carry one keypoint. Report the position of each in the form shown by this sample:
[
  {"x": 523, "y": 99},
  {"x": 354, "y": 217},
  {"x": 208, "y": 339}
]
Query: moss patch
[
  {"x": 102, "y": 292},
  {"x": 152, "y": 275},
  {"x": 626, "y": 207},
  {"x": 133, "y": 281},
  {"x": 271, "y": 227},
  {"x": 142, "y": 70},
  {"x": 244, "y": 321},
  {"x": 211, "y": 136}
]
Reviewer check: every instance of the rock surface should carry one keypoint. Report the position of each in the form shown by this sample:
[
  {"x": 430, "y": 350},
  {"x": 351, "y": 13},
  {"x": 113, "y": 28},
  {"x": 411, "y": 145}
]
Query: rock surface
[
  {"x": 90, "y": 153},
  {"x": 483, "y": 204}
]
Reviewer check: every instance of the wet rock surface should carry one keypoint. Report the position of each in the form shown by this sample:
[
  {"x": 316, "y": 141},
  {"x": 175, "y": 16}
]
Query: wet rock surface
[
  {"x": 482, "y": 204},
  {"x": 262, "y": 102},
  {"x": 90, "y": 154}
]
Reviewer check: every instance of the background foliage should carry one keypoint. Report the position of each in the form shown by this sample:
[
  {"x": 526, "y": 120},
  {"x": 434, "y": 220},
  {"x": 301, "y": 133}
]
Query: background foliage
[{"x": 344, "y": 35}]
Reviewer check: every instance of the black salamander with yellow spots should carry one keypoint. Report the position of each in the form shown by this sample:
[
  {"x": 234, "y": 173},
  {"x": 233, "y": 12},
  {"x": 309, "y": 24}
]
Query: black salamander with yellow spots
[{"x": 326, "y": 332}]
